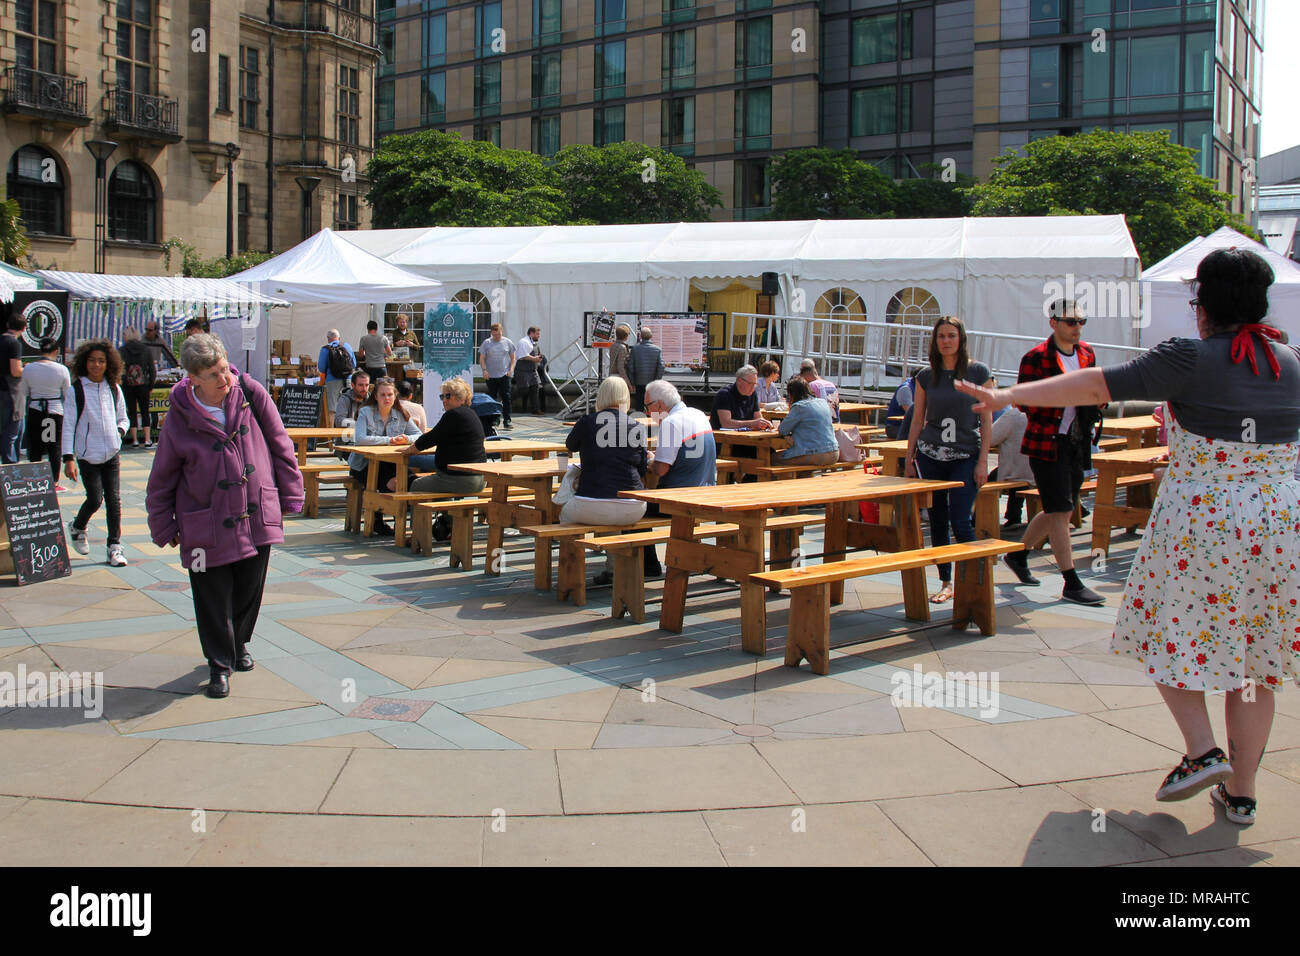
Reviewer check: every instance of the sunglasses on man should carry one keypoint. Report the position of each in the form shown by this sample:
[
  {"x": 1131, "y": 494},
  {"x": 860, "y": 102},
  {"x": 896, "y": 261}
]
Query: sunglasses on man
[{"x": 1072, "y": 323}]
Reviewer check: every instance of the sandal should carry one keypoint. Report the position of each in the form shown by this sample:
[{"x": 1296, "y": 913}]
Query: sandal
[
  {"x": 1191, "y": 776},
  {"x": 942, "y": 596},
  {"x": 1238, "y": 809}
]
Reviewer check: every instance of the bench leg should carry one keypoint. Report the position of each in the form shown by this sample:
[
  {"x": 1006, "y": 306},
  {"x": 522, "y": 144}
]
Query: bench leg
[
  {"x": 542, "y": 564},
  {"x": 462, "y": 542},
  {"x": 352, "y": 522},
  {"x": 421, "y": 533},
  {"x": 986, "y": 515},
  {"x": 809, "y": 633},
  {"x": 399, "y": 524},
  {"x": 311, "y": 494},
  {"x": 972, "y": 601},
  {"x": 571, "y": 580},
  {"x": 629, "y": 585}
]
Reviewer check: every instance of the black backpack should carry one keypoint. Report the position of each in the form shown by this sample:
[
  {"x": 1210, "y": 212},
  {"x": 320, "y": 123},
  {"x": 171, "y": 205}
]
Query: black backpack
[{"x": 340, "y": 362}]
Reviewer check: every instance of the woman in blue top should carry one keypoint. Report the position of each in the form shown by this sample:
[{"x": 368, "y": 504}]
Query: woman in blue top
[
  {"x": 808, "y": 426},
  {"x": 1212, "y": 601},
  {"x": 381, "y": 421},
  {"x": 947, "y": 440}
]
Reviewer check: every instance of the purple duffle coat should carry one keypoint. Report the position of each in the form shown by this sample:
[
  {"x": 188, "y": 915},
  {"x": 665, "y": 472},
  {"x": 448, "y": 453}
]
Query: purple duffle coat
[{"x": 222, "y": 492}]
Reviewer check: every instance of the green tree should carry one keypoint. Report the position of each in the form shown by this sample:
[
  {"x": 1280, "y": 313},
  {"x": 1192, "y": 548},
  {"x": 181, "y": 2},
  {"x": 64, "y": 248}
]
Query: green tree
[
  {"x": 1154, "y": 183},
  {"x": 437, "y": 179},
  {"x": 195, "y": 266},
  {"x": 931, "y": 197},
  {"x": 13, "y": 235},
  {"x": 632, "y": 182},
  {"x": 819, "y": 183}
]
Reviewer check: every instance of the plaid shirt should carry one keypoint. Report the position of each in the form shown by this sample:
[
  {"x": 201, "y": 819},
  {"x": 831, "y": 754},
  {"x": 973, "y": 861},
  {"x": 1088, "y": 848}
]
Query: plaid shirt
[{"x": 1045, "y": 423}]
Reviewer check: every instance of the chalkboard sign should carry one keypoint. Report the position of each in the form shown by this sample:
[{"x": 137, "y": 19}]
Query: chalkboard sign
[
  {"x": 31, "y": 514},
  {"x": 300, "y": 405}
]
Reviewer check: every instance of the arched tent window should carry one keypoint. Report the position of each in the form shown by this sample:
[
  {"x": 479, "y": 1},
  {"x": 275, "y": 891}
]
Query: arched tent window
[
  {"x": 36, "y": 180},
  {"x": 132, "y": 203},
  {"x": 839, "y": 304},
  {"x": 916, "y": 307},
  {"x": 477, "y": 303}
]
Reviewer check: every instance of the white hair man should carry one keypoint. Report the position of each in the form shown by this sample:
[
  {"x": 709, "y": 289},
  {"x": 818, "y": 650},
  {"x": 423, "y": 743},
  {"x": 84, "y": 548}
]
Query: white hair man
[{"x": 686, "y": 456}]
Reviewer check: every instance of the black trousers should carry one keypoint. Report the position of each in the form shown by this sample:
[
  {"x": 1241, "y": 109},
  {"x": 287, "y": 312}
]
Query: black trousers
[
  {"x": 500, "y": 389},
  {"x": 42, "y": 425},
  {"x": 227, "y": 600},
  {"x": 530, "y": 397},
  {"x": 102, "y": 484},
  {"x": 137, "y": 406}
]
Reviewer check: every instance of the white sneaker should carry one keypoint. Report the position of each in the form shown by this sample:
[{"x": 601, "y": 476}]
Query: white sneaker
[
  {"x": 78, "y": 538},
  {"x": 115, "y": 556}
]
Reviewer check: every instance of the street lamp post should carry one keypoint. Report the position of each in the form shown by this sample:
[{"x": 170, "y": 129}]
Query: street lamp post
[
  {"x": 308, "y": 185},
  {"x": 232, "y": 153},
  {"x": 101, "y": 150}
]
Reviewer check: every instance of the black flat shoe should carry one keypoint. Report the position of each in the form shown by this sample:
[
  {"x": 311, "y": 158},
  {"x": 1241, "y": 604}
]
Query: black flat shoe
[
  {"x": 218, "y": 685},
  {"x": 245, "y": 662},
  {"x": 1021, "y": 570}
]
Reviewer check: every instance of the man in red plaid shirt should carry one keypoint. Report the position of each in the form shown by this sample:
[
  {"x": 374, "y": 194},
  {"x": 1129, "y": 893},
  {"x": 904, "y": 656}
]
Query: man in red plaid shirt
[{"x": 1058, "y": 444}]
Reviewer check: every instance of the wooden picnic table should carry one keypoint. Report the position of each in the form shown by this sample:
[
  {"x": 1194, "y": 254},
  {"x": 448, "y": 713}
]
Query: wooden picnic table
[
  {"x": 846, "y": 408},
  {"x": 894, "y": 453},
  {"x": 749, "y": 506},
  {"x": 1139, "y": 430},
  {"x": 1106, "y": 514},
  {"x": 537, "y": 476},
  {"x": 302, "y": 436}
]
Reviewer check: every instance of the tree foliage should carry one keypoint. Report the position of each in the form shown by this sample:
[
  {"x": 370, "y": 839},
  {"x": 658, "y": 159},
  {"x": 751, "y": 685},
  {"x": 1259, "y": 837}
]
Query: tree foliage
[
  {"x": 632, "y": 182},
  {"x": 433, "y": 178},
  {"x": 1154, "y": 183},
  {"x": 13, "y": 235},
  {"x": 818, "y": 183},
  {"x": 932, "y": 197},
  {"x": 195, "y": 266}
]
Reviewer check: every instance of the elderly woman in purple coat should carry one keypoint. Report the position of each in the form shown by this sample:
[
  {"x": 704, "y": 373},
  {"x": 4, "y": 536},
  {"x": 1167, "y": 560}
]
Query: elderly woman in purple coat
[{"x": 224, "y": 475}]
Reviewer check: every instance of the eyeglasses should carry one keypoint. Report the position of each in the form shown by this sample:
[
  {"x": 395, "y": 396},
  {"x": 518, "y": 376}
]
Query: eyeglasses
[
  {"x": 750, "y": 381},
  {"x": 446, "y": 395},
  {"x": 385, "y": 380},
  {"x": 1194, "y": 303},
  {"x": 1073, "y": 322}
]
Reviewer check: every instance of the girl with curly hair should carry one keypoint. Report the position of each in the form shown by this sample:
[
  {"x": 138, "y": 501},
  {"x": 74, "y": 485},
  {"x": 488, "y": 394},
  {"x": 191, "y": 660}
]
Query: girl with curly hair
[{"x": 93, "y": 428}]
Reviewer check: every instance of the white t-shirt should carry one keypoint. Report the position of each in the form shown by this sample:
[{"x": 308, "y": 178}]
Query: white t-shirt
[
  {"x": 216, "y": 412},
  {"x": 1069, "y": 363},
  {"x": 525, "y": 347}
]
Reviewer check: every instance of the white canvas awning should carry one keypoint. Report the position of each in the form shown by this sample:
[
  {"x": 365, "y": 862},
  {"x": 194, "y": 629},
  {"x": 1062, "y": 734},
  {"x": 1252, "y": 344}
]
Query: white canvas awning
[{"x": 209, "y": 292}]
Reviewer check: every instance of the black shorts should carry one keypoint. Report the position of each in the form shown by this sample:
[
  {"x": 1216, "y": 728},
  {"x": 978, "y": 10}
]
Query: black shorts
[{"x": 1058, "y": 481}]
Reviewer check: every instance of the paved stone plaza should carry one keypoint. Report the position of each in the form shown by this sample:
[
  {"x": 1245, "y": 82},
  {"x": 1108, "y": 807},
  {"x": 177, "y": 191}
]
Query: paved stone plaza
[{"x": 402, "y": 712}]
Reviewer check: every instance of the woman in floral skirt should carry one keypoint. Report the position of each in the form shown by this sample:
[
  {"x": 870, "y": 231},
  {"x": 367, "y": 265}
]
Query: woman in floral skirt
[{"x": 1212, "y": 601}]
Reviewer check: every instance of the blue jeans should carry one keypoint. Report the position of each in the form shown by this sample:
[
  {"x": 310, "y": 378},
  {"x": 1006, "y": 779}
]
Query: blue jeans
[
  {"x": 952, "y": 507},
  {"x": 9, "y": 428}
]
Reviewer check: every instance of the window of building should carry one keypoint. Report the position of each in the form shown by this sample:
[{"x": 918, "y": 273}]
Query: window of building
[
  {"x": 250, "y": 79},
  {"x": 611, "y": 67},
  {"x": 349, "y": 212},
  {"x": 1045, "y": 17},
  {"x": 35, "y": 32},
  {"x": 487, "y": 87},
  {"x": 349, "y": 106},
  {"x": 433, "y": 99},
  {"x": 132, "y": 204},
  {"x": 487, "y": 29},
  {"x": 679, "y": 59},
  {"x": 677, "y": 124},
  {"x": 546, "y": 135},
  {"x": 1153, "y": 74},
  {"x": 476, "y": 304},
  {"x": 679, "y": 11},
  {"x": 609, "y": 126},
  {"x": 754, "y": 118},
  {"x": 245, "y": 215},
  {"x": 754, "y": 45},
  {"x": 752, "y": 190},
  {"x": 916, "y": 307},
  {"x": 881, "y": 109},
  {"x": 1096, "y": 80},
  {"x": 384, "y": 104},
  {"x": 1045, "y": 82},
  {"x": 135, "y": 45},
  {"x": 833, "y": 338},
  {"x": 1198, "y": 74},
  {"x": 223, "y": 83},
  {"x": 883, "y": 38},
  {"x": 488, "y": 133},
  {"x": 435, "y": 40},
  {"x": 611, "y": 16},
  {"x": 36, "y": 182},
  {"x": 387, "y": 51},
  {"x": 548, "y": 21},
  {"x": 546, "y": 80}
]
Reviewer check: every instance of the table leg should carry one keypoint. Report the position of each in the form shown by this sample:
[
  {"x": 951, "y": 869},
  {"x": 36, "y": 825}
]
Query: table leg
[
  {"x": 673, "y": 608},
  {"x": 372, "y": 486},
  {"x": 835, "y": 541},
  {"x": 753, "y": 597},
  {"x": 497, "y": 532},
  {"x": 915, "y": 601},
  {"x": 300, "y": 445},
  {"x": 1103, "y": 504}
]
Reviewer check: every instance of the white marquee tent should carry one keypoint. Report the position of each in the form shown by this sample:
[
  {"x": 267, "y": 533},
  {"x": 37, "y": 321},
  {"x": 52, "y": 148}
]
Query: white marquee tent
[
  {"x": 993, "y": 272},
  {"x": 333, "y": 284},
  {"x": 1166, "y": 287}
]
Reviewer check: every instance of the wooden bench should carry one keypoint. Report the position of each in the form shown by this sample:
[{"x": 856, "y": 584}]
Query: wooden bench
[
  {"x": 1033, "y": 500},
  {"x": 728, "y": 468},
  {"x": 312, "y": 473},
  {"x": 1112, "y": 444},
  {"x": 352, "y": 504},
  {"x": 808, "y": 633},
  {"x": 988, "y": 502},
  {"x": 566, "y": 536},
  {"x": 397, "y": 504},
  {"x": 778, "y": 472},
  {"x": 463, "y": 511},
  {"x": 624, "y": 551}
]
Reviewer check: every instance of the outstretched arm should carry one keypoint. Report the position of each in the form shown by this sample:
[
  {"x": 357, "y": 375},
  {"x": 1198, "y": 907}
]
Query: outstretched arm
[{"x": 1084, "y": 387}]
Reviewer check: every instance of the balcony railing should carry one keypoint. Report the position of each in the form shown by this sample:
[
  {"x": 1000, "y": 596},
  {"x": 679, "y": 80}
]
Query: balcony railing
[
  {"x": 48, "y": 93},
  {"x": 143, "y": 113}
]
